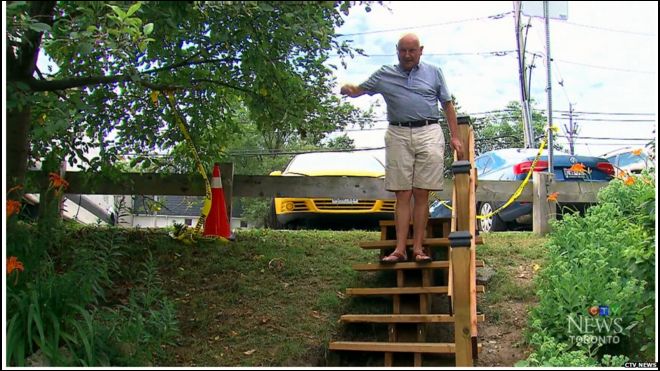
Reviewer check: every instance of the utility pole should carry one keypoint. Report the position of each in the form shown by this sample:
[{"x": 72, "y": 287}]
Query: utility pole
[
  {"x": 528, "y": 132},
  {"x": 546, "y": 15},
  {"x": 571, "y": 130}
]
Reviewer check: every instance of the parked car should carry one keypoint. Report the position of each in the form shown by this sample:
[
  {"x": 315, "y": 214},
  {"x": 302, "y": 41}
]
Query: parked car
[
  {"x": 631, "y": 160},
  {"x": 513, "y": 164},
  {"x": 346, "y": 212}
]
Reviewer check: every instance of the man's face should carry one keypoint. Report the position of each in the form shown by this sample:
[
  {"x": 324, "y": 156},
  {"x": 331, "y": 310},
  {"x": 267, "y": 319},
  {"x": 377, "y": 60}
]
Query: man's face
[{"x": 409, "y": 53}]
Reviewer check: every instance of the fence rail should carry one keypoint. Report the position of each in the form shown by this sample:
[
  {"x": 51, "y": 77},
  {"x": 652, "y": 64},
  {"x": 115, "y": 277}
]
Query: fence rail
[{"x": 292, "y": 186}]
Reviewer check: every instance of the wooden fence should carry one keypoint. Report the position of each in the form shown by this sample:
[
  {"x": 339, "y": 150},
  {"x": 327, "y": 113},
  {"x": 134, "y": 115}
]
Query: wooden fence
[{"x": 317, "y": 186}]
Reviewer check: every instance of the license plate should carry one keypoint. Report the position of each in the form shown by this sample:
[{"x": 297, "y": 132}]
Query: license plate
[
  {"x": 568, "y": 173},
  {"x": 344, "y": 201}
]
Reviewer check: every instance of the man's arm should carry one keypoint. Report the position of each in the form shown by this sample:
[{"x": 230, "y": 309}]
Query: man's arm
[
  {"x": 352, "y": 91},
  {"x": 450, "y": 113}
]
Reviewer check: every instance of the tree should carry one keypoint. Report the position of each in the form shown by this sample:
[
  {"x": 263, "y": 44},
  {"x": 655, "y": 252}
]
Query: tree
[
  {"x": 504, "y": 129},
  {"x": 118, "y": 63}
]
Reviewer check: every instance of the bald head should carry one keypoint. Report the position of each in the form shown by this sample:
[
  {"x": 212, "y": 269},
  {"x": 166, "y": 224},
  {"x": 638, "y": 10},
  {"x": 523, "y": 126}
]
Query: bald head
[
  {"x": 409, "y": 51},
  {"x": 409, "y": 38}
]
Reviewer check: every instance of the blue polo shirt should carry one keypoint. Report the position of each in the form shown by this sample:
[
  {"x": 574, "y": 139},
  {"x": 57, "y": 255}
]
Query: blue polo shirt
[{"x": 409, "y": 96}]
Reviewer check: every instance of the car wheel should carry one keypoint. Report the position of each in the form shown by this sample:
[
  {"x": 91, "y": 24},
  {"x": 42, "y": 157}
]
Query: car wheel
[{"x": 491, "y": 224}]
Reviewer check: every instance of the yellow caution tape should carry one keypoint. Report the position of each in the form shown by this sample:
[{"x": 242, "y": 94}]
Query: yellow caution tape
[
  {"x": 515, "y": 195},
  {"x": 184, "y": 235}
]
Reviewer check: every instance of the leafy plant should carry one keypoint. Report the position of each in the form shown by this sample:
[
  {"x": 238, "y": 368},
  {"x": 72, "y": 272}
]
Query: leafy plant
[{"x": 605, "y": 258}]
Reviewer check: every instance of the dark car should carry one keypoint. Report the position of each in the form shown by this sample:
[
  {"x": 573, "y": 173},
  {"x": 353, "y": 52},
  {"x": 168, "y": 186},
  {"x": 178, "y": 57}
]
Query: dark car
[{"x": 512, "y": 164}]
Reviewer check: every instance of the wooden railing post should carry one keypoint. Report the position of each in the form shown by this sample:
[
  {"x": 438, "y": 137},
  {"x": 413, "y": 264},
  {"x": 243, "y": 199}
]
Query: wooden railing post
[
  {"x": 460, "y": 241},
  {"x": 544, "y": 210}
]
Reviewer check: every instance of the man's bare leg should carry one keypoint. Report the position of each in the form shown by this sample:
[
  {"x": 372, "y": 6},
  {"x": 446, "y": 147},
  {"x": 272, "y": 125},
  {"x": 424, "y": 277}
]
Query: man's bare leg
[
  {"x": 420, "y": 218},
  {"x": 402, "y": 223}
]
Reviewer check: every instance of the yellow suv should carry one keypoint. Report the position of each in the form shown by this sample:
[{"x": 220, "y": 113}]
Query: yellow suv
[{"x": 341, "y": 212}]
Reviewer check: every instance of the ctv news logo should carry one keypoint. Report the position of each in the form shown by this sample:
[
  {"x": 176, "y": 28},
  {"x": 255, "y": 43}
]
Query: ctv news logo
[{"x": 599, "y": 327}]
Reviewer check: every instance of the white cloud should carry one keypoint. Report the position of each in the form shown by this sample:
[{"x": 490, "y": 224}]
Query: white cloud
[{"x": 605, "y": 55}]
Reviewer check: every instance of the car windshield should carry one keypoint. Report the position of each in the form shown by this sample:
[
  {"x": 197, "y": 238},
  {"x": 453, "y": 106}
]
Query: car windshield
[
  {"x": 335, "y": 161},
  {"x": 626, "y": 159}
]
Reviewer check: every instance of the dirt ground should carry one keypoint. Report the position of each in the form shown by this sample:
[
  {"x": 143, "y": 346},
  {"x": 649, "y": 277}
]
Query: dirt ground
[
  {"x": 502, "y": 340},
  {"x": 502, "y": 334}
]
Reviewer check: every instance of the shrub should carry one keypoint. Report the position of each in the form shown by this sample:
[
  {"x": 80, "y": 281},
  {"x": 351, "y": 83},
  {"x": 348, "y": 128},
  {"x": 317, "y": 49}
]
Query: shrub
[{"x": 604, "y": 259}]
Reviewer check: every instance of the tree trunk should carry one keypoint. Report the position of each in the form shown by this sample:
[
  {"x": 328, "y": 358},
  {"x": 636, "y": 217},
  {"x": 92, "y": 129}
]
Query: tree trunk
[
  {"x": 21, "y": 64},
  {"x": 18, "y": 126}
]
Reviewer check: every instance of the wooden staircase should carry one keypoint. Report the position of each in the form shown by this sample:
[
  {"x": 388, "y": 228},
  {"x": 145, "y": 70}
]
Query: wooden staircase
[{"x": 451, "y": 242}]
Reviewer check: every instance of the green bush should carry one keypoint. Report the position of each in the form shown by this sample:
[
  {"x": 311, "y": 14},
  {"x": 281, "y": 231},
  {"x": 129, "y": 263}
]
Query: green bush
[
  {"x": 550, "y": 353},
  {"x": 57, "y": 310},
  {"x": 606, "y": 258}
]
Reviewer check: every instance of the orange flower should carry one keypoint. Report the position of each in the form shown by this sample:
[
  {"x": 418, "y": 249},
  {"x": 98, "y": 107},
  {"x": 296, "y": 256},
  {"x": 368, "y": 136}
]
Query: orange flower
[
  {"x": 57, "y": 182},
  {"x": 12, "y": 264},
  {"x": 630, "y": 180},
  {"x": 553, "y": 196},
  {"x": 579, "y": 167},
  {"x": 13, "y": 207},
  {"x": 637, "y": 152}
]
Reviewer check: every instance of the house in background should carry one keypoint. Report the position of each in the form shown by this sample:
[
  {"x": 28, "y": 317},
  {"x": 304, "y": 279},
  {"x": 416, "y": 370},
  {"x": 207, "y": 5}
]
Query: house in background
[
  {"x": 84, "y": 209},
  {"x": 163, "y": 211}
]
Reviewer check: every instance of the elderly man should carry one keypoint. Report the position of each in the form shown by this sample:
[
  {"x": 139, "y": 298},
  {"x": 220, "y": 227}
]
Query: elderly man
[{"x": 414, "y": 142}]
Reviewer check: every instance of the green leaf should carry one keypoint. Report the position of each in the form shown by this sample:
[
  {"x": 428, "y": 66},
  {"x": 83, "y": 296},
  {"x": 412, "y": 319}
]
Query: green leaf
[
  {"x": 85, "y": 48},
  {"x": 147, "y": 29},
  {"x": 118, "y": 11},
  {"x": 134, "y": 8},
  {"x": 39, "y": 27},
  {"x": 265, "y": 6}
]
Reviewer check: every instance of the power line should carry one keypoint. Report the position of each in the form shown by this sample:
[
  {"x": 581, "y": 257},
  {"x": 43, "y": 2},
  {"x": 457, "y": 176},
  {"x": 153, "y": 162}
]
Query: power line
[
  {"x": 604, "y": 138},
  {"x": 610, "y": 29},
  {"x": 491, "y": 17},
  {"x": 537, "y": 53},
  {"x": 607, "y": 68},
  {"x": 495, "y": 53}
]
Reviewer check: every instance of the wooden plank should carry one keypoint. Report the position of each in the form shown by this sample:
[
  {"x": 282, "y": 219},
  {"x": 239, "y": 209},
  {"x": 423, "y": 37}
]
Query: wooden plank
[
  {"x": 431, "y": 221},
  {"x": 439, "y": 348},
  {"x": 287, "y": 186},
  {"x": 473, "y": 251},
  {"x": 460, "y": 261},
  {"x": 402, "y": 290},
  {"x": 429, "y": 242},
  {"x": 438, "y": 264},
  {"x": 401, "y": 318}
]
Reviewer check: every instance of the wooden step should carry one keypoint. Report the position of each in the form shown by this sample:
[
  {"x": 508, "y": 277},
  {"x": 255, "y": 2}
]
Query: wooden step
[
  {"x": 440, "y": 264},
  {"x": 402, "y": 318},
  {"x": 365, "y": 346},
  {"x": 429, "y": 242},
  {"x": 431, "y": 221},
  {"x": 402, "y": 290}
]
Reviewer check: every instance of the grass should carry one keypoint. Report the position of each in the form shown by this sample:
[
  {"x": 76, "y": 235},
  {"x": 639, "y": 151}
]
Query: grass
[
  {"x": 513, "y": 255},
  {"x": 273, "y": 298}
]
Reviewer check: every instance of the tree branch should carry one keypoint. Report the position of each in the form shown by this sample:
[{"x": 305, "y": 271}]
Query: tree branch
[
  {"x": 196, "y": 81},
  {"x": 27, "y": 59},
  {"x": 74, "y": 82},
  {"x": 188, "y": 62}
]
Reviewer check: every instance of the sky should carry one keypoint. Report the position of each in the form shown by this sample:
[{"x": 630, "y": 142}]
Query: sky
[{"x": 605, "y": 63}]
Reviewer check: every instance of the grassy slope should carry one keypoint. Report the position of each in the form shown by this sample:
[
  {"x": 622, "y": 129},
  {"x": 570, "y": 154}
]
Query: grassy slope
[{"x": 272, "y": 298}]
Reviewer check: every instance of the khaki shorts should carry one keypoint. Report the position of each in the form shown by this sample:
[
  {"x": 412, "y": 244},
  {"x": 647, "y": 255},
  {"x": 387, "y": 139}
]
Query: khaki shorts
[{"x": 414, "y": 158}]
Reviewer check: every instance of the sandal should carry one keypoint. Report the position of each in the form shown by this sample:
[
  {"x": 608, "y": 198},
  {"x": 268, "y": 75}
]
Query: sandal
[
  {"x": 421, "y": 257},
  {"x": 394, "y": 257}
]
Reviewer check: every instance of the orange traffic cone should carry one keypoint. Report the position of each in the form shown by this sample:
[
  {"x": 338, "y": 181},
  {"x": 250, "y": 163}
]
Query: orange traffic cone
[{"x": 216, "y": 222}]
